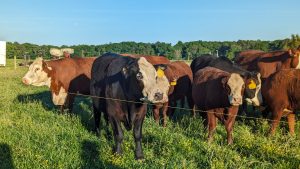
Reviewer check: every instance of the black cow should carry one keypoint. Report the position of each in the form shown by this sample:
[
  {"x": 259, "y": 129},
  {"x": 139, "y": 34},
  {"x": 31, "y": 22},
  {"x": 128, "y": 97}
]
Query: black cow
[
  {"x": 124, "y": 82},
  {"x": 252, "y": 80}
]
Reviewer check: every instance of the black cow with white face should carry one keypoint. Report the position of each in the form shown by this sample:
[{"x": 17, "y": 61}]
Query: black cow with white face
[
  {"x": 125, "y": 82},
  {"x": 252, "y": 92}
]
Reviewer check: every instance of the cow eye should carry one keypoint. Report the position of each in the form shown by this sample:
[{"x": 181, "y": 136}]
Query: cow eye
[
  {"x": 37, "y": 69},
  {"x": 139, "y": 76}
]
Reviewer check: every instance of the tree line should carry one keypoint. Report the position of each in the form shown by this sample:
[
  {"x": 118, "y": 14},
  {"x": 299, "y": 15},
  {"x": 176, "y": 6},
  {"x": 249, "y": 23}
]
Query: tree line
[{"x": 181, "y": 50}]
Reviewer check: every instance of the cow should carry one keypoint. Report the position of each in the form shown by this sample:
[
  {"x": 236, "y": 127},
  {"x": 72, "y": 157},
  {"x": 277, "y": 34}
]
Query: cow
[
  {"x": 251, "y": 79},
  {"x": 282, "y": 97},
  {"x": 154, "y": 60},
  {"x": 119, "y": 84},
  {"x": 180, "y": 77},
  {"x": 62, "y": 76},
  {"x": 245, "y": 59},
  {"x": 268, "y": 63},
  {"x": 217, "y": 95}
]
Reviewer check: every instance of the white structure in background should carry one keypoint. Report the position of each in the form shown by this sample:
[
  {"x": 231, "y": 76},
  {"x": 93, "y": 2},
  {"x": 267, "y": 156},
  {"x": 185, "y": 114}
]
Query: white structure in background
[
  {"x": 60, "y": 52},
  {"x": 2, "y": 53}
]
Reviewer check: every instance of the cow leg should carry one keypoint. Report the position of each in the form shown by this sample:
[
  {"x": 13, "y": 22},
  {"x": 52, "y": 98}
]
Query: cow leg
[
  {"x": 70, "y": 102},
  {"x": 171, "y": 109},
  {"x": 97, "y": 118},
  {"x": 212, "y": 123},
  {"x": 276, "y": 116},
  {"x": 165, "y": 109},
  {"x": 232, "y": 112},
  {"x": 61, "y": 109},
  {"x": 191, "y": 106},
  {"x": 155, "y": 109},
  {"x": 137, "y": 132},
  {"x": 118, "y": 135},
  {"x": 291, "y": 122}
]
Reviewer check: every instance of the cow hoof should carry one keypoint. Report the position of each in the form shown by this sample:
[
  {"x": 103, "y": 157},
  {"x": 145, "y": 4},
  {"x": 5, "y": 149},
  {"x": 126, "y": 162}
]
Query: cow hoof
[
  {"x": 118, "y": 151},
  {"x": 139, "y": 157}
]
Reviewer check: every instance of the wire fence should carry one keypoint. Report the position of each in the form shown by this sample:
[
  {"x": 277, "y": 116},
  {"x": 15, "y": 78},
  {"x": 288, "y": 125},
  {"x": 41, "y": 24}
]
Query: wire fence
[{"x": 178, "y": 108}]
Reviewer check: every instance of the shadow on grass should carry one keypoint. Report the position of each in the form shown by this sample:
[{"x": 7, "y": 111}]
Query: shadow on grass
[
  {"x": 6, "y": 157},
  {"x": 90, "y": 156},
  {"x": 81, "y": 107},
  {"x": 44, "y": 97}
]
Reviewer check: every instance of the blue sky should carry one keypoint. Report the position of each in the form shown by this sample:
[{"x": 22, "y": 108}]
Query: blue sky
[{"x": 75, "y": 22}]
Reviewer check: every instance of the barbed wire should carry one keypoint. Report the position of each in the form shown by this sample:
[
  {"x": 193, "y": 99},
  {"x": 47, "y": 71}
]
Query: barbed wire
[{"x": 179, "y": 108}]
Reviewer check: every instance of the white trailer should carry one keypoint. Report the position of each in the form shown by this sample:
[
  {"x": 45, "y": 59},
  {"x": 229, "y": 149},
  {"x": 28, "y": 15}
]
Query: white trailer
[{"x": 2, "y": 53}]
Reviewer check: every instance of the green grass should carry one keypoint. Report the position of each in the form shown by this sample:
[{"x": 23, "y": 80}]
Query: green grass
[{"x": 34, "y": 135}]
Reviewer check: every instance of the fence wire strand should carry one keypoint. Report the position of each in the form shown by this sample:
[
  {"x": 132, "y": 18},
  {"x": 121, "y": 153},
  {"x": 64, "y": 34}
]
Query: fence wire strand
[{"x": 179, "y": 108}]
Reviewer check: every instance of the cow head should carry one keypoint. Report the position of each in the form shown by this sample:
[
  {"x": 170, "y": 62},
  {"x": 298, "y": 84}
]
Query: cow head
[
  {"x": 295, "y": 55},
  {"x": 234, "y": 87},
  {"x": 37, "y": 74},
  {"x": 253, "y": 89},
  {"x": 151, "y": 81}
]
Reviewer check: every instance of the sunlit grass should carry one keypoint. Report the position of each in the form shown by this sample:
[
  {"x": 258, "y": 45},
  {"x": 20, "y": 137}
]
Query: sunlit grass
[{"x": 34, "y": 135}]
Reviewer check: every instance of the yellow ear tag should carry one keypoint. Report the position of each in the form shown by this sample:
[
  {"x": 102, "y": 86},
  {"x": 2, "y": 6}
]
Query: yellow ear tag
[
  {"x": 173, "y": 83},
  {"x": 252, "y": 85},
  {"x": 160, "y": 73}
]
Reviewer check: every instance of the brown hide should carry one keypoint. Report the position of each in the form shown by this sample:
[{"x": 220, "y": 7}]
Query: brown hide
[
  {"x": 246, "y": 59},
  {"x": 154, "y": 60},
  {"x": 210, "y": 95},
  {"x": 73, "y": 74},
  {"x": 281, "y": 92},
  {"x": 180, "y": 73},
  {"x": 268, "y": 63}
]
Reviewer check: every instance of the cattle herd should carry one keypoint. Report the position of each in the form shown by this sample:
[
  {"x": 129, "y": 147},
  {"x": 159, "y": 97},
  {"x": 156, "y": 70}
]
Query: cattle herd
[{"x": 122, "y": 85}]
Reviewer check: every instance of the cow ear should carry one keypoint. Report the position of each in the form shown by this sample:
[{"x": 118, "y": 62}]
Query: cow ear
[{"x": 45, "y": 65}]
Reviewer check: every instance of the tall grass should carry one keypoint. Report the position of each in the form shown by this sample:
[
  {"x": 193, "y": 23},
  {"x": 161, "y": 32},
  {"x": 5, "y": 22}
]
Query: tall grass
[{"x": 34, "y": 135}]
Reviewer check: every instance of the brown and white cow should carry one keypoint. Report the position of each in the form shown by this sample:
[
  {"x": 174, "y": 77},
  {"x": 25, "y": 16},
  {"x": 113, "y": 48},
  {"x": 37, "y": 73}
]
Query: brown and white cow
[
  {"x": 180, "y": 78},
  {"x": 61, "y": 76},
  {"x": 219, "y": 94},
  {"x": 268, "y": 63},
  {"x": 281, "y": 92}
]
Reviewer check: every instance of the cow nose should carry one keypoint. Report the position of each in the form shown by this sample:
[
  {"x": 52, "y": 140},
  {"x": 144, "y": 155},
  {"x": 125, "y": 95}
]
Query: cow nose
[
  {"x": 237, "y": 100},
  {"x": 25, "y": 81},
  {"x": 158, "y": 96}
]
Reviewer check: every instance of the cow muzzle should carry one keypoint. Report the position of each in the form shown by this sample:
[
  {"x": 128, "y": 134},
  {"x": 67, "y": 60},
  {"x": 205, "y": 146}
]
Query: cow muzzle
[
  {"x": 25, "y": 81},
  {"x": 235, "y": 101}
]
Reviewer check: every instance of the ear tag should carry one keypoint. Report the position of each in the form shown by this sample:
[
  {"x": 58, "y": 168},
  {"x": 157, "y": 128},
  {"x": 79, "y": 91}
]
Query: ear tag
[
  {"x": 160, "y": 73},
  {"x": 173, "y": 83},
  {"x": 252, "y": 85}
]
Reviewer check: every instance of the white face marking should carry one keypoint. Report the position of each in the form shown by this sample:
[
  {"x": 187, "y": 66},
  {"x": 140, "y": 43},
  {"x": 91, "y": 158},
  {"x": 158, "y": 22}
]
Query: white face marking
[
  {"x": 153, "y": 84},
  {"x": 59, "y": 99},
  {"x": 257, "y": 99},
  {"x": 36, "y": 76},
  {"x": 236, "y": 83}
]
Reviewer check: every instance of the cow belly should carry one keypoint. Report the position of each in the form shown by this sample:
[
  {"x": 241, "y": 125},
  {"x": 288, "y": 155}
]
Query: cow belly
[{"x": 60, "y": 98}]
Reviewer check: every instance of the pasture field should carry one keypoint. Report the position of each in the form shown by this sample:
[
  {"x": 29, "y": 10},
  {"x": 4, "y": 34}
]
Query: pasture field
[{"x": 34, "y": 135}]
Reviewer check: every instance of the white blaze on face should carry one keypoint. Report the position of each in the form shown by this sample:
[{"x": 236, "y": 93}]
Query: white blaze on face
[
  {"x": 235, "y": 83},
  {"x": 257, "y": 99},
  {"x": 60, "y": 98},
  {"x": 153, "y": 86},
  {"x": 36, "y": 76}
]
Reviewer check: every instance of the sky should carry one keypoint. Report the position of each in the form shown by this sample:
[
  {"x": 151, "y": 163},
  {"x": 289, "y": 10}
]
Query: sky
[{"x": 94, "y": 22}]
